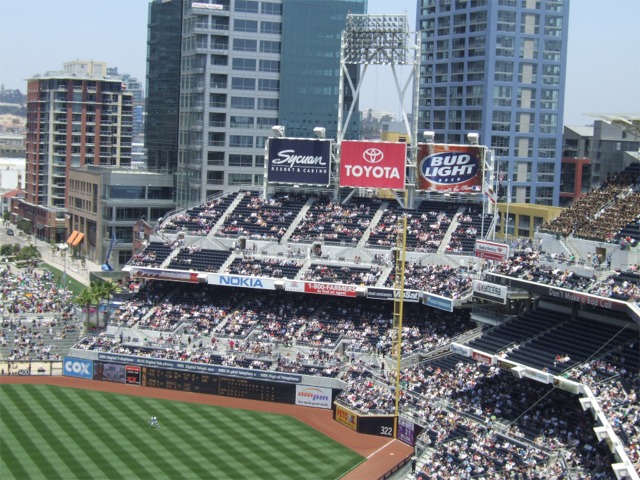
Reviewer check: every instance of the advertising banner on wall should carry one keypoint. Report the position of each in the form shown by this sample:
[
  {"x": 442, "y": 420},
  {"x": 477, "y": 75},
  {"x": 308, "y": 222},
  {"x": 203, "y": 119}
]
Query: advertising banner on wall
[
  {"x": 374, "y": 293},
  {"x": 346, "y": 417},
  {"x": 299, "y": 161},
  {"x": 491, "y": 250},
  {"x": 450, "y": 168},
  {"x": 336, "y": 289},
  {"x": 156, "y": 274},
  {"x": 490, "y": 291},
  {"x": 77, "y": 367},
  {"x": 241, "y": 281},
  {"x": 372, "y": 164},
  {"x": 318, "y": 397}
]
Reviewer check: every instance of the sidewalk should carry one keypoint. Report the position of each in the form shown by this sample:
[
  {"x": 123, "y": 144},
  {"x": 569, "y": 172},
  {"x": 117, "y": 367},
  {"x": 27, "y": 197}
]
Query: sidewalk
[{"x": 74, "y": 268}]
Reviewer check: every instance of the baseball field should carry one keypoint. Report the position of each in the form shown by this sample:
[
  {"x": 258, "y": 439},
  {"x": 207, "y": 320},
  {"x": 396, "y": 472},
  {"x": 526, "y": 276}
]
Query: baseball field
[{"x": 67, "y": 433}]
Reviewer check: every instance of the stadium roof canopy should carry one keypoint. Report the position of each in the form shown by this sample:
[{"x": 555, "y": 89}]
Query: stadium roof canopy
[{"x": 626, "y": 121}]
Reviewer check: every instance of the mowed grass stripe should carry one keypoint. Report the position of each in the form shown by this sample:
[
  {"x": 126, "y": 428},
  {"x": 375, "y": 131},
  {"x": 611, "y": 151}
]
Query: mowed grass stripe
[
  {"x": 14, "y": 459},
  {"x": 124, "y": 449},
  {"x": 276, "y": 449},
  {"x": 30, "y": 430},
  {"x": 252, "y": 453},
  {"x": 198, "y": 428},
  {"x": 182, "y": 459},
  {"x": 148, "y": 449},
  {"x": 107, "y": 447},
  {"x": 194, "y": 441}
]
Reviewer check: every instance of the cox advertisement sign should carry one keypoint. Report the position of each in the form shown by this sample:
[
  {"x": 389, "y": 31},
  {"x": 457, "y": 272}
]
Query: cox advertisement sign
[
  {"x": 317, "y": 397},
  {"x": 450, "y": 168},
  {"x": 77, "y": 367},
  {"x": 372, "y": 164},
  {"x": 299, "y": 161}
]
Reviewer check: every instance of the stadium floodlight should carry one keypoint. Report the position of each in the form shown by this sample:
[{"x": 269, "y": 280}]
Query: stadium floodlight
[
  {"x": 320, "y": 132},
  {"x": 429, "y": 136},
  {"x": 473, "y": 138},
  {"x": 278, "y": 130}
]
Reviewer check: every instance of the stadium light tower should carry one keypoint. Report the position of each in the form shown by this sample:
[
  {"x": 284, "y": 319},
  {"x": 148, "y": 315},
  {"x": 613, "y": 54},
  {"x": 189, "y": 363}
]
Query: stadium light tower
[{"x": 379, "y": 40}]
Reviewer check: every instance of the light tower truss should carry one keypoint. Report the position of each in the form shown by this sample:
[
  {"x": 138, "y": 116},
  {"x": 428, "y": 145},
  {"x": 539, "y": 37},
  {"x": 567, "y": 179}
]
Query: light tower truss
[{"x": 379, "y": 40}]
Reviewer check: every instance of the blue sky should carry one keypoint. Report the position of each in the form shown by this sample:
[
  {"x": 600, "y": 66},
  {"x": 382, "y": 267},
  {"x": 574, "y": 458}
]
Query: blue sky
[{"x": 603, "y": 71}]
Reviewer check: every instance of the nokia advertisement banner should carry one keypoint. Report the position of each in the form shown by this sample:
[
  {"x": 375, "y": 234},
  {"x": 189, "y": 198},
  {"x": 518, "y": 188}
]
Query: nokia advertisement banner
[
  {"x": 450, "y": 168},
  {"x": 299, "y": 160},
  {"x": 373, "y": 164}
]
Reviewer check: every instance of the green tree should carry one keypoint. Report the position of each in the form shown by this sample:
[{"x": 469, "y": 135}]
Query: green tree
[
  {"x": 85, "y": 299},
  {"x": 104, "y": 292},
  {"x": 28, "y": 252}
]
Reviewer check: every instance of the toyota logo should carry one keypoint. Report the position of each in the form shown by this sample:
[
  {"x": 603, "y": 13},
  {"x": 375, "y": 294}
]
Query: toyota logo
[{"x": 372, "y": 155}]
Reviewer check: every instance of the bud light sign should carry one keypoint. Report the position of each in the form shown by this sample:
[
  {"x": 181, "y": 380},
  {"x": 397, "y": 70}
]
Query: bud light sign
[
  {"x": 372, "y": 164},
  {"x": 450, "y": 168},
  {"x": 303, "y": 161}
]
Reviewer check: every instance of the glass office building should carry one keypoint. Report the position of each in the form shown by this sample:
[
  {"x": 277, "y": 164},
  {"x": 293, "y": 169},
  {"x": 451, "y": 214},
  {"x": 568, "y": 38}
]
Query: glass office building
[
  {"x": 497, "y": 67},
  {"x": 244, "y": 66},
  {"x": 310, "y": 75}
]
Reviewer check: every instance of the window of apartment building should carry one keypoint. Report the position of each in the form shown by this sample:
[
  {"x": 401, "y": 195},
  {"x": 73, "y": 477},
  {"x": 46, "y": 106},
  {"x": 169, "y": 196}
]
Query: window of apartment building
[
  {"x": 528, "y": 73},
  {"x": 544, "y": 195},
  {"x": 268, "y": 85},
  {"x": 248, "y": 6},
  {"x": 266, "y": 122},
  {"x": 267, "y": 104},
  {"x": 269, "y": 66},
  {"x": 506, "y": 21},
  {"x": 240, "y": 160},
  {"x": 269, "y": 46},
  {"x": 241, "y": 141},
  {"x": 546, "y": 149},
  {"x": 548, "y": 123},
  {"x": 241, "y": 25},
  {"x": 505, "y": 46},
  {"x": 271, "y": 27},
  {"x": 546, "y": 171},
  {"x": 271, "y": 8},
  {"x": 551, "y": 74},
  {"x": 549, "y": 99},
  {"x": 216, "y": 139},
  {"x": 215, "y": 177},
  {"x": 245, "y": 45},
  {"x": 553, "y": 26},
  {"x": 502, "y": 96},
  {"x": 261, "y": 142},
  {"x": 240, "y": 179},
  {"x": 215, "y": 159},
  {"x": 501, "y": 121},
  {"x": 503, "y": 71},
  {"x": 236, "y": 121},
  {"x": 244, "y": 64},
  {"x": 243, "y": 103},
  {"x": 552, "y": 50},
  {"x": 242, "y": 83}
]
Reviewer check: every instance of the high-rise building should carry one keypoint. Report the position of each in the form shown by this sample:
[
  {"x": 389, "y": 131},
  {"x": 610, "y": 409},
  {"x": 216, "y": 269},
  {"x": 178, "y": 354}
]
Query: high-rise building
[
  {"x": 497, "y": 68},
  {"x": 75, "y": 117},
  {"x": 164, "y": 40},
  {"x": 244, "y": 66}
]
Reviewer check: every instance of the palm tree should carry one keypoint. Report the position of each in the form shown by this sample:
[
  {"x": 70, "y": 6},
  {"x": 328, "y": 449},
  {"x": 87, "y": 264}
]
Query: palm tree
[
  {"x": 85, "y": 299},
  {"x": 104, "y": 292}
]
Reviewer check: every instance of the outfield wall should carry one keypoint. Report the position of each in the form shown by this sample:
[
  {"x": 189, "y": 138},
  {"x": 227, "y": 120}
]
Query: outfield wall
[
  {"x": 35, "y": 367},
  {"x": 268, "y": 386}
]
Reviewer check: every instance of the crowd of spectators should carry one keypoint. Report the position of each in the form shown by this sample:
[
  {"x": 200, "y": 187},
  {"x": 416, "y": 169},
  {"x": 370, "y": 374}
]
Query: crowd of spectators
[
  {"x": 31, "y": 291},
  {"x": 343, "y": 274},
  {"x": 265, "y": 267},
  {"x": 443, "y": 280},
  {"x": 601, "y": 213},
  {"x": 330, "y": 221}
]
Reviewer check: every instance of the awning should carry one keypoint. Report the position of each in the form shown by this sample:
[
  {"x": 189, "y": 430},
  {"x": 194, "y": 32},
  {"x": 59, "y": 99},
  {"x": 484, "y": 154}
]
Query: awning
[
  {"x": 75, "y": 238},
  {"x": 78, "y": 239}
]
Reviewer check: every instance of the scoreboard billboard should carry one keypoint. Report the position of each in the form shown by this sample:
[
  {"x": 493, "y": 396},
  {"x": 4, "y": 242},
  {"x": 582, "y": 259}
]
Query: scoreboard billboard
[
  {"x": 450, "y": 168},
  {"x": 373, "y": 164}
]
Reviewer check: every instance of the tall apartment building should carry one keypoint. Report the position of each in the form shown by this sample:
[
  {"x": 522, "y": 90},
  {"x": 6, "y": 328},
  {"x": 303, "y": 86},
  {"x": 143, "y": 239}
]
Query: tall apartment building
[
  {"x": 497, "y": 68},
  {"x": 244, "y": 66},
  {"x": 75, "y": 117}
]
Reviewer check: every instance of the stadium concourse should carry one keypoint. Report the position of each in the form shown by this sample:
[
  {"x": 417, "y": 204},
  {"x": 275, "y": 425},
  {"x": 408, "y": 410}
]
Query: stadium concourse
[{"x": 541, "y": 382}]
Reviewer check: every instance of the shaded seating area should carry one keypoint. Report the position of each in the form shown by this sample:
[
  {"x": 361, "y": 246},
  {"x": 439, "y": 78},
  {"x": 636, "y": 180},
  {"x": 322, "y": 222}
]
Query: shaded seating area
[
  {"x": 199, "y": 259},
  {"x": 153, "y": 255},
  {"x": 342, "y": 274},
  {"x": 261, "y": 219},
  {"x": 335, "y": 222},
  {"x": 266, "y": 267}
]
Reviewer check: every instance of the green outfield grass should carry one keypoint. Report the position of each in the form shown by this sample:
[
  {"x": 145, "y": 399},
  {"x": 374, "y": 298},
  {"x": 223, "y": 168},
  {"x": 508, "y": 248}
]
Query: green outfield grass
[{"x": 65, "y": 433}]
